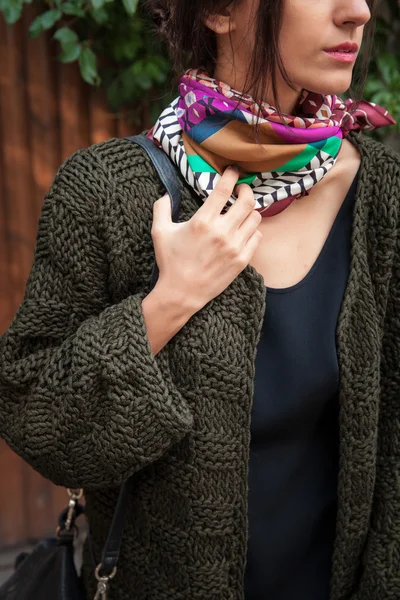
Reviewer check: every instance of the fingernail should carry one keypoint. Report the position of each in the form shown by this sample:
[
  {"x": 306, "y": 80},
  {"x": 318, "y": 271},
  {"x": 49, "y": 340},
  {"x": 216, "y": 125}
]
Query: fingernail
[{"x": 235, "y": 168}]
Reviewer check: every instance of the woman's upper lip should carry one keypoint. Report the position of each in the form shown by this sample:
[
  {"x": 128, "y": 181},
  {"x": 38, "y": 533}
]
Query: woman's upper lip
[{"x": 345, "y": 47}]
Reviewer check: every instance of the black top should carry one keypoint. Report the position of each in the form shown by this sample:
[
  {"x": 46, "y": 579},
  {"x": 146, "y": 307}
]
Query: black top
[{"x": 295, "y": 436}]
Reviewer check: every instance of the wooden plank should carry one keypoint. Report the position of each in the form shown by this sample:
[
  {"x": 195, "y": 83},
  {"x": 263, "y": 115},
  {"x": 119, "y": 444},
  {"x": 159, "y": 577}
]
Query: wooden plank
[
  {"x": 102, "y": 122},
  {"x": 6, "y": 307},
  {"x": 38, "y": 503},
  {"x": 13, "y": 522},
  {"x": 17, "y": 179},
  {"x": 74, "y": 111},
  {"x": 43, "y": 124},
  {"x": 124, "y": 125},
  {"x": 17, "y": 247},
  {"x": 146, "y": 122},
  {"x": 59, "y": 501}
]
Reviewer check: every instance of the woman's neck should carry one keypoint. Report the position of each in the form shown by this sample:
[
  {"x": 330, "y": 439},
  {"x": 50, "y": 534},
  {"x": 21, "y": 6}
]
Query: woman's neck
[{"x": 288, "y": 98}]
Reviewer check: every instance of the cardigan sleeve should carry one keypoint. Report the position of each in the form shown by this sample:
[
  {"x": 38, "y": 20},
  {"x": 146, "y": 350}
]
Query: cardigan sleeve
[
  {"x": 82, "y": 397},
  {"x": 390, "y": 356},
  {"x": 381, "y": 561}
]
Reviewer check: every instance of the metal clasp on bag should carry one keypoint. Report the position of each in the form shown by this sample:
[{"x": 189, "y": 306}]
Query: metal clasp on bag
[
  {"x": 102, "y": 586},
  {"x": 74, "y": 496}
]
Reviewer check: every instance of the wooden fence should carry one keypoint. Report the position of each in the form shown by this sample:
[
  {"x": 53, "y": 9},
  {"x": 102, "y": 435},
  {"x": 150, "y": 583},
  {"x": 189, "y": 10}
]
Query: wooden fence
[{"x": 46, "y": 113}]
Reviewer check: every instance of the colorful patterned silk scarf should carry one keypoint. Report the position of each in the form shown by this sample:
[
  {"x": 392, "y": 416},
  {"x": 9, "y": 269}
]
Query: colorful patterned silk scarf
[{"x": 211, "y": 126}]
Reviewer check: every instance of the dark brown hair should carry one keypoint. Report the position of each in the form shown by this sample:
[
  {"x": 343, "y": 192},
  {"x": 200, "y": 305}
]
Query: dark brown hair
[{"x": 193, "y": 45}]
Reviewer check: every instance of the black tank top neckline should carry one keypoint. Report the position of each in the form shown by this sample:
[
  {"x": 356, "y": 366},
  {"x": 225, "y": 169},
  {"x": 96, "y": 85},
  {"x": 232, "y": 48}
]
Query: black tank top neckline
[{"x": 342, "y": 209}]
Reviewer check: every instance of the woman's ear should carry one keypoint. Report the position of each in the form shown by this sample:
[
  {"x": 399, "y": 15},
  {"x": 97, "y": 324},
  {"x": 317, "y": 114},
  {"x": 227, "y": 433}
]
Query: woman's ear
[{"x": 222, "y": 22}]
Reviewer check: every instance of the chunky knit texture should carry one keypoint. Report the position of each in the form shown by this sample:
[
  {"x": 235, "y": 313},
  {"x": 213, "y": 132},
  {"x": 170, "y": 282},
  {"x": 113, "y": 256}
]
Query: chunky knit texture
[{"x": 85, "y": 402}]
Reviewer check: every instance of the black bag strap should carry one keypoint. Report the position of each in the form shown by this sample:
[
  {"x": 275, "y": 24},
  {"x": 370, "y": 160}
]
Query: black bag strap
[
  {"x": 168, "y": 176},
  {"x": 167, "y": 173}
]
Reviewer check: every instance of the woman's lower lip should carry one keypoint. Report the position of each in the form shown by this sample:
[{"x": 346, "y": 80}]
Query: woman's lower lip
[{"x": 343, "y": 56}]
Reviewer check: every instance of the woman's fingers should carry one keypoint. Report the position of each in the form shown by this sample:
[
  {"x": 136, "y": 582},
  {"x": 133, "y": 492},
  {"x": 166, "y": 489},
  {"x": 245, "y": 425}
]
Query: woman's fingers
[
  {"x": 162, "y": 214},
  {"x": 242, "y": 208},
  {"x": 218, "y": 198}
]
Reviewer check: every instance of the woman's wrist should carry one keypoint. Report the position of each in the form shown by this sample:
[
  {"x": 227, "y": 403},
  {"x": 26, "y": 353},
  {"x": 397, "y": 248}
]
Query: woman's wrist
[{"x": 165, "y": 313}]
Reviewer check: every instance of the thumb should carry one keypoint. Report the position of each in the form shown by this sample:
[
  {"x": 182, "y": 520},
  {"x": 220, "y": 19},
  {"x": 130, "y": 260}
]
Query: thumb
[{"x": 162, "y": 209}]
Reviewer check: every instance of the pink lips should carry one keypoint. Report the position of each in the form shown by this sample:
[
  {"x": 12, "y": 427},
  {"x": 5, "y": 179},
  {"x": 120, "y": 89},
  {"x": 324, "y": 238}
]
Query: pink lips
[{"x": 346, "y": 52}]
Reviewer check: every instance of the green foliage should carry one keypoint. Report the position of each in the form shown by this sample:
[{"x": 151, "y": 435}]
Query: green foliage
[
  {"x": 12, "y": 9},
  {"x": 113, "y": 44},
  {"x": 383, "y": 83}
]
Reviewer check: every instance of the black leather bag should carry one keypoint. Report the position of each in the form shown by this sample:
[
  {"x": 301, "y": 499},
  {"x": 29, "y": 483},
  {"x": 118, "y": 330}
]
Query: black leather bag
[{"x": 48, "y": 572}]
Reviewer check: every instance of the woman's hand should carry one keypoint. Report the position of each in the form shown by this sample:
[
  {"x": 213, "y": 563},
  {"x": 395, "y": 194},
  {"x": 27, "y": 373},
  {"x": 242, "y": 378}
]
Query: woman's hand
[{"x": 198, "y": 259}]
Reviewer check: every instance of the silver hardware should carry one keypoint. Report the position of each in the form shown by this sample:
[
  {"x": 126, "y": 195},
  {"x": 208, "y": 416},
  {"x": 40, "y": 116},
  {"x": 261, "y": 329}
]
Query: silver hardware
[
  {"x": 76, "y": 493},
  {"x": 104, "y": 577},
  {"x": 74, "y": 496},
  {"x": 70, "y": 513},
  {"x": 102, "y": 586},
  {"x": 101, "y": 592}
]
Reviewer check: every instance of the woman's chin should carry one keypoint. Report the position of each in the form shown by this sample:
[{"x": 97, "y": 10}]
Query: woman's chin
[
  {"x": 329, "y": 83},
  {"x": 330, "y": 89}
]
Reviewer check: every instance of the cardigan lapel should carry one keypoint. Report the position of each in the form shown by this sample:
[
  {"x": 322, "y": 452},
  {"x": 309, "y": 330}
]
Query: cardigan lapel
[{"x": 358, "y": 353}]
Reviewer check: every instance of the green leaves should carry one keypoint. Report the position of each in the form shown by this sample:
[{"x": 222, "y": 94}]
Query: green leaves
[
  {"x": 74, "y": 8},
  {"x": 98, "y": 4},
  {"x": 73, "y": 49},
  {"x": 389, "y": 67},
  {"x": 44, "y": 21},
  {"x": 383, "y": 85},
  {"x": 70, "y": 44},
  {"x": 12, "y": 9},
  {"x": 100, "y": 15},
  {"x": 88, "y": 66},
  {"x": 130, "y": 6},
  {"x": 66, "y": 36}
]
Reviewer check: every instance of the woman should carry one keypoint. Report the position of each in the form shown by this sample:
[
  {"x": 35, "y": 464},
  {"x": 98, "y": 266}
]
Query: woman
[{"x": 254, "y": 392}]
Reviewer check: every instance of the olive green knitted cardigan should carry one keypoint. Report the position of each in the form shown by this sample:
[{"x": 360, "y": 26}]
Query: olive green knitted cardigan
[{"x": 86, "y": 403}]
